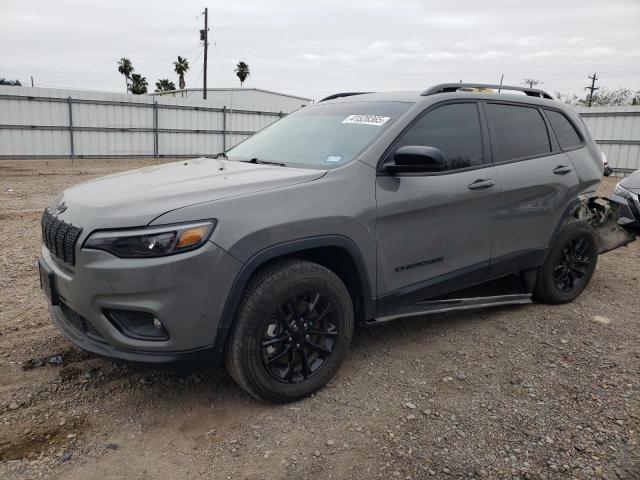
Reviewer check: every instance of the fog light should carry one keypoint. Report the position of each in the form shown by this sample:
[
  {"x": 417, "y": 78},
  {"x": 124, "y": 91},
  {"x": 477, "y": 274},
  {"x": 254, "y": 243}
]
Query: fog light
[{"x": 139, "y": 325}]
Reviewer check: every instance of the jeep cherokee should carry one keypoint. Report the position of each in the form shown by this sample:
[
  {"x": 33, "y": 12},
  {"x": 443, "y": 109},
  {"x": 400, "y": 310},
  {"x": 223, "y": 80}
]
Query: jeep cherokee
[{"x": 361, "y": 208}]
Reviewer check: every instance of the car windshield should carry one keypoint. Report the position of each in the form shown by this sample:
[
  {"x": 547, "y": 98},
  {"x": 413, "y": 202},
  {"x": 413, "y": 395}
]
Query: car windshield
[{"x": 320, "y": 136}]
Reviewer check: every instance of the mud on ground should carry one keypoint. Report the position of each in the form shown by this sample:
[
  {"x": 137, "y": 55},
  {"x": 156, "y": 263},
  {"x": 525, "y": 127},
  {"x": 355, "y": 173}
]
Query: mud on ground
[{"x": 538, "y": 392}]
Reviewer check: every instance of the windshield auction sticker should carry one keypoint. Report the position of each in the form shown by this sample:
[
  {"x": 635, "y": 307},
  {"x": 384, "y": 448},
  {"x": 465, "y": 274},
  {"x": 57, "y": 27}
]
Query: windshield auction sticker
[{"x": 376, "y": 120}]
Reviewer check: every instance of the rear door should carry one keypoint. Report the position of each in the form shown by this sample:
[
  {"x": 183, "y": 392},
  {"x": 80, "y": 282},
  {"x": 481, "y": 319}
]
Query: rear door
[
  {"x": 434, "y": 230},
  {"x": 538, "y": 184}
]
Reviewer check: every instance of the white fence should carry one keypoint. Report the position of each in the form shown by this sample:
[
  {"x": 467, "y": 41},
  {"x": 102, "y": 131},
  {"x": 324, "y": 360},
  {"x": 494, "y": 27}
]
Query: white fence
[
  {"x": 617, "y": 131},
  {"x": 45, "y": 123}
]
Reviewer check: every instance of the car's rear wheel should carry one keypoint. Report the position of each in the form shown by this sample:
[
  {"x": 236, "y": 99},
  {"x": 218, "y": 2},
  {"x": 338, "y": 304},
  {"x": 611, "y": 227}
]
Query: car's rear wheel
[
  {"x": 570, "y": 264},
  {"x": 292, "y": 331}
]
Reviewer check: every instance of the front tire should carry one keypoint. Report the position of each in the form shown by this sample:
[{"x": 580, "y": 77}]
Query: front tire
[
  {"x": 569, "y": 265},
  {"x": 292, "y": 331}
]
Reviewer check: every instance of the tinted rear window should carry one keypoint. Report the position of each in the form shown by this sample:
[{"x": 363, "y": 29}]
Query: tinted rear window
[
  {"x": 565, "y": 132},
  {"x": 518, "y": 132}
]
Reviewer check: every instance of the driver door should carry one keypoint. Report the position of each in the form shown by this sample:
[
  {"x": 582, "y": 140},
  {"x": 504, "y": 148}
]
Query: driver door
[{"x": 435, "y": 230}]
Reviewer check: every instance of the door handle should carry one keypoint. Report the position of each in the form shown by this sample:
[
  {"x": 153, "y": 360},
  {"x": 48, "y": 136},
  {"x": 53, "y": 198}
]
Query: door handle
[
  {"x": 482, "y": 184},
  {"x": 562, "y": 169}
]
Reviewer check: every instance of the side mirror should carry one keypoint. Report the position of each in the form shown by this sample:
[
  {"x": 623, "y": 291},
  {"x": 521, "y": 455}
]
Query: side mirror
[{"x": 416, "y": 158}]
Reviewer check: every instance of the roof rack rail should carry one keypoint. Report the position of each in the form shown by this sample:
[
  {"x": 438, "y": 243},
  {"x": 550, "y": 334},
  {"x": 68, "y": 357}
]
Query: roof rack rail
[
  {"x": 340, "y": 95},
  {"x": 454, "y": 87}
]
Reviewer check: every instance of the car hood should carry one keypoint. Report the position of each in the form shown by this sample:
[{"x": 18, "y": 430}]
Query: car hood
[
  {"x": 136, "y": 197},
  {"x": 632, "y": 182}
]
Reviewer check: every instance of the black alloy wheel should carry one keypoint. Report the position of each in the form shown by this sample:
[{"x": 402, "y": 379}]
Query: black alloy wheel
[
  {"x": 573, "y": 265},
  {"x": 570, "y": 263},
  {"x": 292, "y": 330},
  {"x": 299, "y": 337}
]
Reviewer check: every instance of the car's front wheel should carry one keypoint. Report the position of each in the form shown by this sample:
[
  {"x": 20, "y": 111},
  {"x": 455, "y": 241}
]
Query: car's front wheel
[
  {"x": 292, "y": 331},
  {"x": 570, "y": 264}
]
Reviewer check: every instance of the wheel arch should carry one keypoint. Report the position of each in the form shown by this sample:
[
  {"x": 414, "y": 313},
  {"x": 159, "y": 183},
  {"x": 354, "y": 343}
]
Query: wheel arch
[{"x": 336, "y": 252}]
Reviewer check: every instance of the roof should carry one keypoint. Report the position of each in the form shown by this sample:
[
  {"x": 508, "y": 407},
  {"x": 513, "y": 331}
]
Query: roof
[{"x": 231, "y": 89}]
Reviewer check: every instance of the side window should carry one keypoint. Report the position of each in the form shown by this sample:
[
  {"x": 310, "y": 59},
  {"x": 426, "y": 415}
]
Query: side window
[
  {"x": 565, "y": 132},
  {"x": 518, "y": 132},
  {"x": 454, "y": 129}
]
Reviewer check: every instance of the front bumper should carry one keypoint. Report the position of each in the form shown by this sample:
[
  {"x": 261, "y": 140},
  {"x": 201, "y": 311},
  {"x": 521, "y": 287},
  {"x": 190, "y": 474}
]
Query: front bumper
[
  {"x": 629, "y": 210},
  {"x": 186, "y": 292}
]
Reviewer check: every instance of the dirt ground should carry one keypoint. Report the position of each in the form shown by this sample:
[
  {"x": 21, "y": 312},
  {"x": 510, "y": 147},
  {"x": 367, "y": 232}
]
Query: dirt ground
[{"x": 535, "y": 392}]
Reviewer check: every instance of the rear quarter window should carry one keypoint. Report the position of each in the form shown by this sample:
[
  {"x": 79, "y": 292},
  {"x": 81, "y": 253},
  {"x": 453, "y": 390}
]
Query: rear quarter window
[
  {"x": 565, "y": 132},
  {"x": 517, "y": 132}
]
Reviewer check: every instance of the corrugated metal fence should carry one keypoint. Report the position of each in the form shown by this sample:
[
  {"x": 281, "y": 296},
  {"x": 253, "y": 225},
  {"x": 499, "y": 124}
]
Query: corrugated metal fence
[
  {"x": 617, "y": 131},
  {"x": 39, "y": 123}
]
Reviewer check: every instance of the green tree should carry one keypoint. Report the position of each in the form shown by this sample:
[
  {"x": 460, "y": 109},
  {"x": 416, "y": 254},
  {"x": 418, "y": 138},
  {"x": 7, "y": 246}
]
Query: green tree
[
  {"x": 125, "y": 67},
  {"x": 570, "y": 99},
  {"x": 164, "y": 85},
  {"x": 138, "y": 84},
  {"x": 612, "y": 98},
  {"x": 12, "y": 83},
  {"x": 242, "y": 71},
  {"x": 180, "y": 67}
]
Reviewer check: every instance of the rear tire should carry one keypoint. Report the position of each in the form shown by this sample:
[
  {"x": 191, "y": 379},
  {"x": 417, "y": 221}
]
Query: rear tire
[
  {"x": 569, "y": 265},
  {"x": 292, "y": 331}
]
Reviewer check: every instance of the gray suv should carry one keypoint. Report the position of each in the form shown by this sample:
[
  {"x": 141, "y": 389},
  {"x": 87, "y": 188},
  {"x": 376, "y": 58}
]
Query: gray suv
[{"x": 359, "y": 209}]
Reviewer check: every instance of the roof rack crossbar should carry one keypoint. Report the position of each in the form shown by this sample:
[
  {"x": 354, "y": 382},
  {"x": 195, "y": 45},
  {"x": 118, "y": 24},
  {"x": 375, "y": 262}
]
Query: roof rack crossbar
[
  {"x": 454, "y": 87},
  {"x": 344, "y": 94}
]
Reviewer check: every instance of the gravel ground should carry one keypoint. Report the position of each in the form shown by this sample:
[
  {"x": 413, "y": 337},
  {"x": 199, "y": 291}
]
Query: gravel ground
[{"x": 536, "y": 392}]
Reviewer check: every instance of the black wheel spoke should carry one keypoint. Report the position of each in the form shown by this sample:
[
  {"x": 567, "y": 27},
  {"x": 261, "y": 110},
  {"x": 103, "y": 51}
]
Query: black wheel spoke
[
  {"x": 278, "y": 356},
  {"x": 318, "y": 348},
  {"x": 291, "y": 366},
  {"x": 272, "y": 341},
  {"x": 312, "y": 305},
  {"x": 323, "y": 314},
  {"x": 306, "y": 371},
  {"x": 324, "y": 333}
]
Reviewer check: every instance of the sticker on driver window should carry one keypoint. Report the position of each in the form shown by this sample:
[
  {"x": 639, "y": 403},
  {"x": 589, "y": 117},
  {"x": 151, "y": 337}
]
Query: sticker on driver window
[
  {"x": 376, "y": 120},
  {"x": 333, "y": 159}
]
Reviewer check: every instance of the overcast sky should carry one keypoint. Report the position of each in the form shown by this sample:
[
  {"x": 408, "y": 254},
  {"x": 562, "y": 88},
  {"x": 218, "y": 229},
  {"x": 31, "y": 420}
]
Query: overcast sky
[{"x": 313, "y": 48}]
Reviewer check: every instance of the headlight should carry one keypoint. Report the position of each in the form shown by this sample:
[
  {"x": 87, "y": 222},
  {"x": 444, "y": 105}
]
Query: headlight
[
  {"x": 152, "y": 241},
  {"x": 623, "y": 192}
]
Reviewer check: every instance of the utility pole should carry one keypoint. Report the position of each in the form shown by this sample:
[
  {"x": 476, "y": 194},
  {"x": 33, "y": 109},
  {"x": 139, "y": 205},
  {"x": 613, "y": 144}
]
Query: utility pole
[
  {"x": 501, "y": 79},
  {"x": 204, "y": 36},
  {"x": 32, "y": 80},
  {"x": 592, "y": 88}
]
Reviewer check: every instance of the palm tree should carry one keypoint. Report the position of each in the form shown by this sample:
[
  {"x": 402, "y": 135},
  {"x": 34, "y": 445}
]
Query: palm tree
[
  {"x": 125, "y": 68},
  {"x": 242, "y": 71},
  {"x": 138, "y": 84},
  {"x": 181, "y": 67},
  {"x": 164, "y": 85}
]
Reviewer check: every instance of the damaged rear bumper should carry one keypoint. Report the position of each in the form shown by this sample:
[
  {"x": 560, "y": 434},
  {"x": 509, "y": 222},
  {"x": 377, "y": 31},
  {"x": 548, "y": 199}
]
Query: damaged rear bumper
[{"x": 604, "y": 216}]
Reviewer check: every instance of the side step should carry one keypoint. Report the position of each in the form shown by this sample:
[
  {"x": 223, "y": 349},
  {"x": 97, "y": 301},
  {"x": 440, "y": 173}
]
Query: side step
[{"x": 453, "y": 304}]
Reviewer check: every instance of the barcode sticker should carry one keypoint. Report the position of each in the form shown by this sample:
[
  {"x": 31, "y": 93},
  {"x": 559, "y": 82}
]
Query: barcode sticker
[{"x": 376, "y": 120}]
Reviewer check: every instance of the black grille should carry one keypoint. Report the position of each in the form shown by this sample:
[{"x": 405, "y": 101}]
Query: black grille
[
  {"x": 60, "y": 237},
  {"x": 80, "y": 323}
]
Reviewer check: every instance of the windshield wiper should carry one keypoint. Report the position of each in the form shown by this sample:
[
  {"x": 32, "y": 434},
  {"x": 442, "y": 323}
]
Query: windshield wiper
[
  {"x": 263, "y": 162},
  {"x": 221, "y": 155}
]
